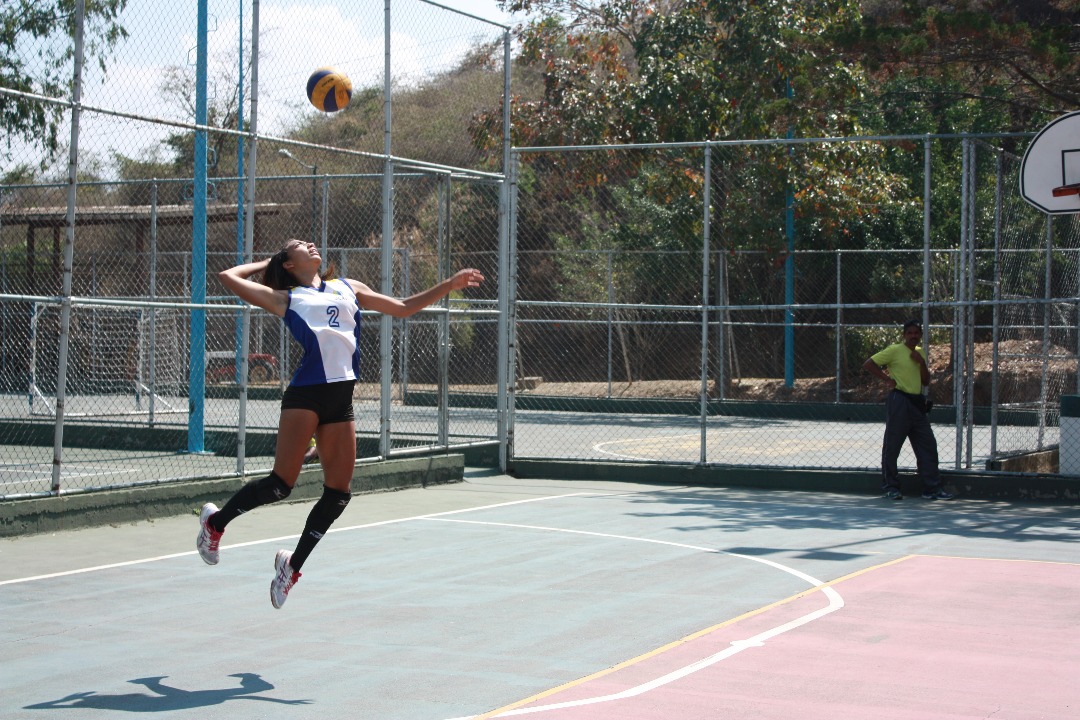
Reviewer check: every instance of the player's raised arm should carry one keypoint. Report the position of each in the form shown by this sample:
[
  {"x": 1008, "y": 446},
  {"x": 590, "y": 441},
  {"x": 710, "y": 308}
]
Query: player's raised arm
[
  {"x": 238, "y": 280},
  {"x": 405, "y": 307}
]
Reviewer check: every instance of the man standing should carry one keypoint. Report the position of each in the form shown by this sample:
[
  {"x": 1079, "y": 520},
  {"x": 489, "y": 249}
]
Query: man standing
[{"x": 906, "y": 410}]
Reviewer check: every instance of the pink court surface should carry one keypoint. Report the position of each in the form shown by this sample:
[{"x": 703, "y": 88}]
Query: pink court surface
[
  {"x": 919, "y": 637},
  {"x": 500, "y": 597}
]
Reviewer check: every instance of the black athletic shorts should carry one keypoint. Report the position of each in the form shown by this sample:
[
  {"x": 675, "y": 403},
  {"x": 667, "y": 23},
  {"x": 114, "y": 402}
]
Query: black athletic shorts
[{"x": 332, "y": 402}]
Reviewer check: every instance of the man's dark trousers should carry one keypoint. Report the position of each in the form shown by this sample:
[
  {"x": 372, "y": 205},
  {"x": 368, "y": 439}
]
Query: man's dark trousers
[{"x": 903, "y": 421}]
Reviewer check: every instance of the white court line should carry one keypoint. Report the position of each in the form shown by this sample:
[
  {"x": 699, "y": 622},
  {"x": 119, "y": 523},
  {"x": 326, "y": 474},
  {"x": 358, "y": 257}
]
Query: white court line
[
  {"x": 712, "y": 432},
  {"x": 835, "y": 600},
  {"x": 835, "y": 603},
  {"x": 156, "y": 558},
  {"x": 599, "y": 447}
]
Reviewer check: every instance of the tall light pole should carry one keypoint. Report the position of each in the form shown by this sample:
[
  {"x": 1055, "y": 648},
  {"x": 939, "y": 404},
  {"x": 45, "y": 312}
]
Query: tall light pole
[{"x": 283, "y": 152}]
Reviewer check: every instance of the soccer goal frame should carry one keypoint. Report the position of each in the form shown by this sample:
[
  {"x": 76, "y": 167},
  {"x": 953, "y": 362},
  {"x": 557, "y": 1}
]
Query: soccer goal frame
[{"x": 124, "y": 361}]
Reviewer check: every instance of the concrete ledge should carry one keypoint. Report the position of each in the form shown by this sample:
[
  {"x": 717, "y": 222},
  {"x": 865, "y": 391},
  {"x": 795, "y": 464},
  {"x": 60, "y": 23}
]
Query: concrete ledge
[
  {"x": 1041, "y": 461},
  {"x": 144, "y": 502},
  {"x": 968, "y": 485}
]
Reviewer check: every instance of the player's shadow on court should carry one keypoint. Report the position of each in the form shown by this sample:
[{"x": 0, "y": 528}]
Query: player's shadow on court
[{"x": 167, "y": 698}]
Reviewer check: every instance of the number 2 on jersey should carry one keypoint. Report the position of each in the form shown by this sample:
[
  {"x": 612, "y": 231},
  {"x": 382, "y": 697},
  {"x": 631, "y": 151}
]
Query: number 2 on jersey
[{"x": 332, "y": 313}]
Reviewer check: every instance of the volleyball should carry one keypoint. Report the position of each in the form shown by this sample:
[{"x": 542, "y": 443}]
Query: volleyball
[{"x": 329, "y": 89}]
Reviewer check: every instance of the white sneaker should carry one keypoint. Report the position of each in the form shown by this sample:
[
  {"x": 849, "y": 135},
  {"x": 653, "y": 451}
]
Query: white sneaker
[
  {"x": 207, "y": 542},
  {"x": 284, "y": 578}
]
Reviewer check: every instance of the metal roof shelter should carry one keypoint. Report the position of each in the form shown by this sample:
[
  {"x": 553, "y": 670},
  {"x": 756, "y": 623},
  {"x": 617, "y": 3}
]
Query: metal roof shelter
[{"x": 140, "y": 217}]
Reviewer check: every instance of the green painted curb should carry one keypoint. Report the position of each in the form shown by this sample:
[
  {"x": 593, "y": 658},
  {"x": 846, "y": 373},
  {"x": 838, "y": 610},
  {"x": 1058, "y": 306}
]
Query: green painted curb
[
  {"x": 145, "y": 502},
  {"x": 968, "y": 485}
]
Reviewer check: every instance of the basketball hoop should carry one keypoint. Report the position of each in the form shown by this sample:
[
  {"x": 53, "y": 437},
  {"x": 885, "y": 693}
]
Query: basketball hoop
[{"x": 1050, "y": 170}]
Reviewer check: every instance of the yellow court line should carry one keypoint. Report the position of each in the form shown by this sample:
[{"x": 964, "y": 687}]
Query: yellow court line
[
  {"x": 681, "y": 641},
  {"x": 996, "y": 559}
]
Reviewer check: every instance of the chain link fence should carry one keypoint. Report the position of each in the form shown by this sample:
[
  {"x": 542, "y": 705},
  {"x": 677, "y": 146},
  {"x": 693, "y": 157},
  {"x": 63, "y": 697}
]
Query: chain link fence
[
  {"x": 130, "y": 330},
  {"x": 650, "y": 330},
  {"x": 686, "y": 303},
  {"x": 187, "y": 147}
]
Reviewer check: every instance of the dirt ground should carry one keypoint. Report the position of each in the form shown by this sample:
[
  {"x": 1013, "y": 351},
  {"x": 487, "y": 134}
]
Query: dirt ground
[{"x": 1019, "y": 363}]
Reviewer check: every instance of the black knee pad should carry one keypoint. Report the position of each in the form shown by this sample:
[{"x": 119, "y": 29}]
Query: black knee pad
[
  {"x": 327, "y": 509},
  {"x": 271, "y": 489}
]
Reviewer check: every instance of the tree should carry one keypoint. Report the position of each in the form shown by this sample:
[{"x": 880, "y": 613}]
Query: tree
[
  {"x": 1017, "y": 57},
  {"x": 48, "y": 71},
  {"x": 951, "y": 66},
  {"x": 688, "y": 70},
  {"x": 650, "y": 71},
  {"x": 618, "y": 71},
  {"x": 178, "y": 87},
  {"x": 174, "y": 157}
]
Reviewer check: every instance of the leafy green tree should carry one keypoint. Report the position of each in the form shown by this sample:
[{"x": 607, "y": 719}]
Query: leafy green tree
[
  {"x": 634, "y": 71},
  {"x": 1010, "y": 62},
  {"x": 618, "y": 71},
  {"x": 47, "y": 71},
  {"x": 661, "y": 71},
  {"x": 949, "y": 67}
]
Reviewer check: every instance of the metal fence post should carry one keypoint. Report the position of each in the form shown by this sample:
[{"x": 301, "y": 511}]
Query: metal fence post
[
  {"x": 197, "y": 344},
  {"x": 840, "y": 321},
  {"x": 958, "y": 293},
  {"x": 249, "y": 249},
  {"x": 970, "y": 309},
  {"x": 927, "y": 157},
  {"x": 706, "y": 200},
  {"x": 386, "y": 323},
  {"x": 789, "y": 284},
  {"x": 443, "y": 263},
  {"x": 995, "y": 330},
  {"x": 386, "y": 326},
  {"x": 611, "y": 300},
  {"x": 69, "y": 247},
  {"x": 1047, "y": 295},
  {"x": 153, "y": 297},
  {"x": 504, "y": 382}
]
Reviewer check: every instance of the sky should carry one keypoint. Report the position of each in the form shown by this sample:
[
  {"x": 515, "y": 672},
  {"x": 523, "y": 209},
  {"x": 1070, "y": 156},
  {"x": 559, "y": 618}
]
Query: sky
[{"x": 296, "y": 37}]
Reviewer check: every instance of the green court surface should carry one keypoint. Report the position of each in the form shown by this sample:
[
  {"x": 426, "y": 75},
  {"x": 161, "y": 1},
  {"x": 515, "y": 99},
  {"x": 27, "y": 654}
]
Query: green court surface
[{"x": 461, "y": 600}]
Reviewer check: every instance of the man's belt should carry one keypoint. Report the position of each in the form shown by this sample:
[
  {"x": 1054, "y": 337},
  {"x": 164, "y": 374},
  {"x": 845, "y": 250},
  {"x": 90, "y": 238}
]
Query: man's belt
[{"x": 921, "y": 402}]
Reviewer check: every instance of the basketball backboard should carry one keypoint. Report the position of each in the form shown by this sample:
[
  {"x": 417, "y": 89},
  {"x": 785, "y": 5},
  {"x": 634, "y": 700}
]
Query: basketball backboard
[{"x": 1050, "y": 171}]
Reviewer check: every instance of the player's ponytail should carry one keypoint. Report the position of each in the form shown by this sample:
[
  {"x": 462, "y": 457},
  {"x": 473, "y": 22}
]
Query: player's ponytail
[{"x": 275, "y": 275}]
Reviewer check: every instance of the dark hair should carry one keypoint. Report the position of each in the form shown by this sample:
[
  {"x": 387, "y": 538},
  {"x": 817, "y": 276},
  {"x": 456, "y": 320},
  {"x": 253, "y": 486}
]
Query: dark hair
[
  {"x": 276, "y": 276},
  {"x": 913, "y": 323}
]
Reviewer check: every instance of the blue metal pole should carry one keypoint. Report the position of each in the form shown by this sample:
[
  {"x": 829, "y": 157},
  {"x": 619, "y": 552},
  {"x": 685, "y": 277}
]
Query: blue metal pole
[
  {"x": 789, "y": 294},
  {"x": 197, "y": 368},
  {"x": 789, "y": 274}
]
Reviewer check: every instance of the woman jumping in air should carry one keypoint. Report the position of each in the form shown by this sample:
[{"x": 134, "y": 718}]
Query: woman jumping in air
[{"x": 323, "y": 314}]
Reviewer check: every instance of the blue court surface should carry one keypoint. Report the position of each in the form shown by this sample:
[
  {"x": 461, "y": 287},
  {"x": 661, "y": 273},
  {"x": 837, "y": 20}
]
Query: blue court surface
[{"x": 453, "y": 601}]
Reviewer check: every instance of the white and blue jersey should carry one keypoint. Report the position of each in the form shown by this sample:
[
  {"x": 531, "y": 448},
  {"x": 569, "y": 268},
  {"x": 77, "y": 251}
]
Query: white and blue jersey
[{"x": 326, "y": 322}]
